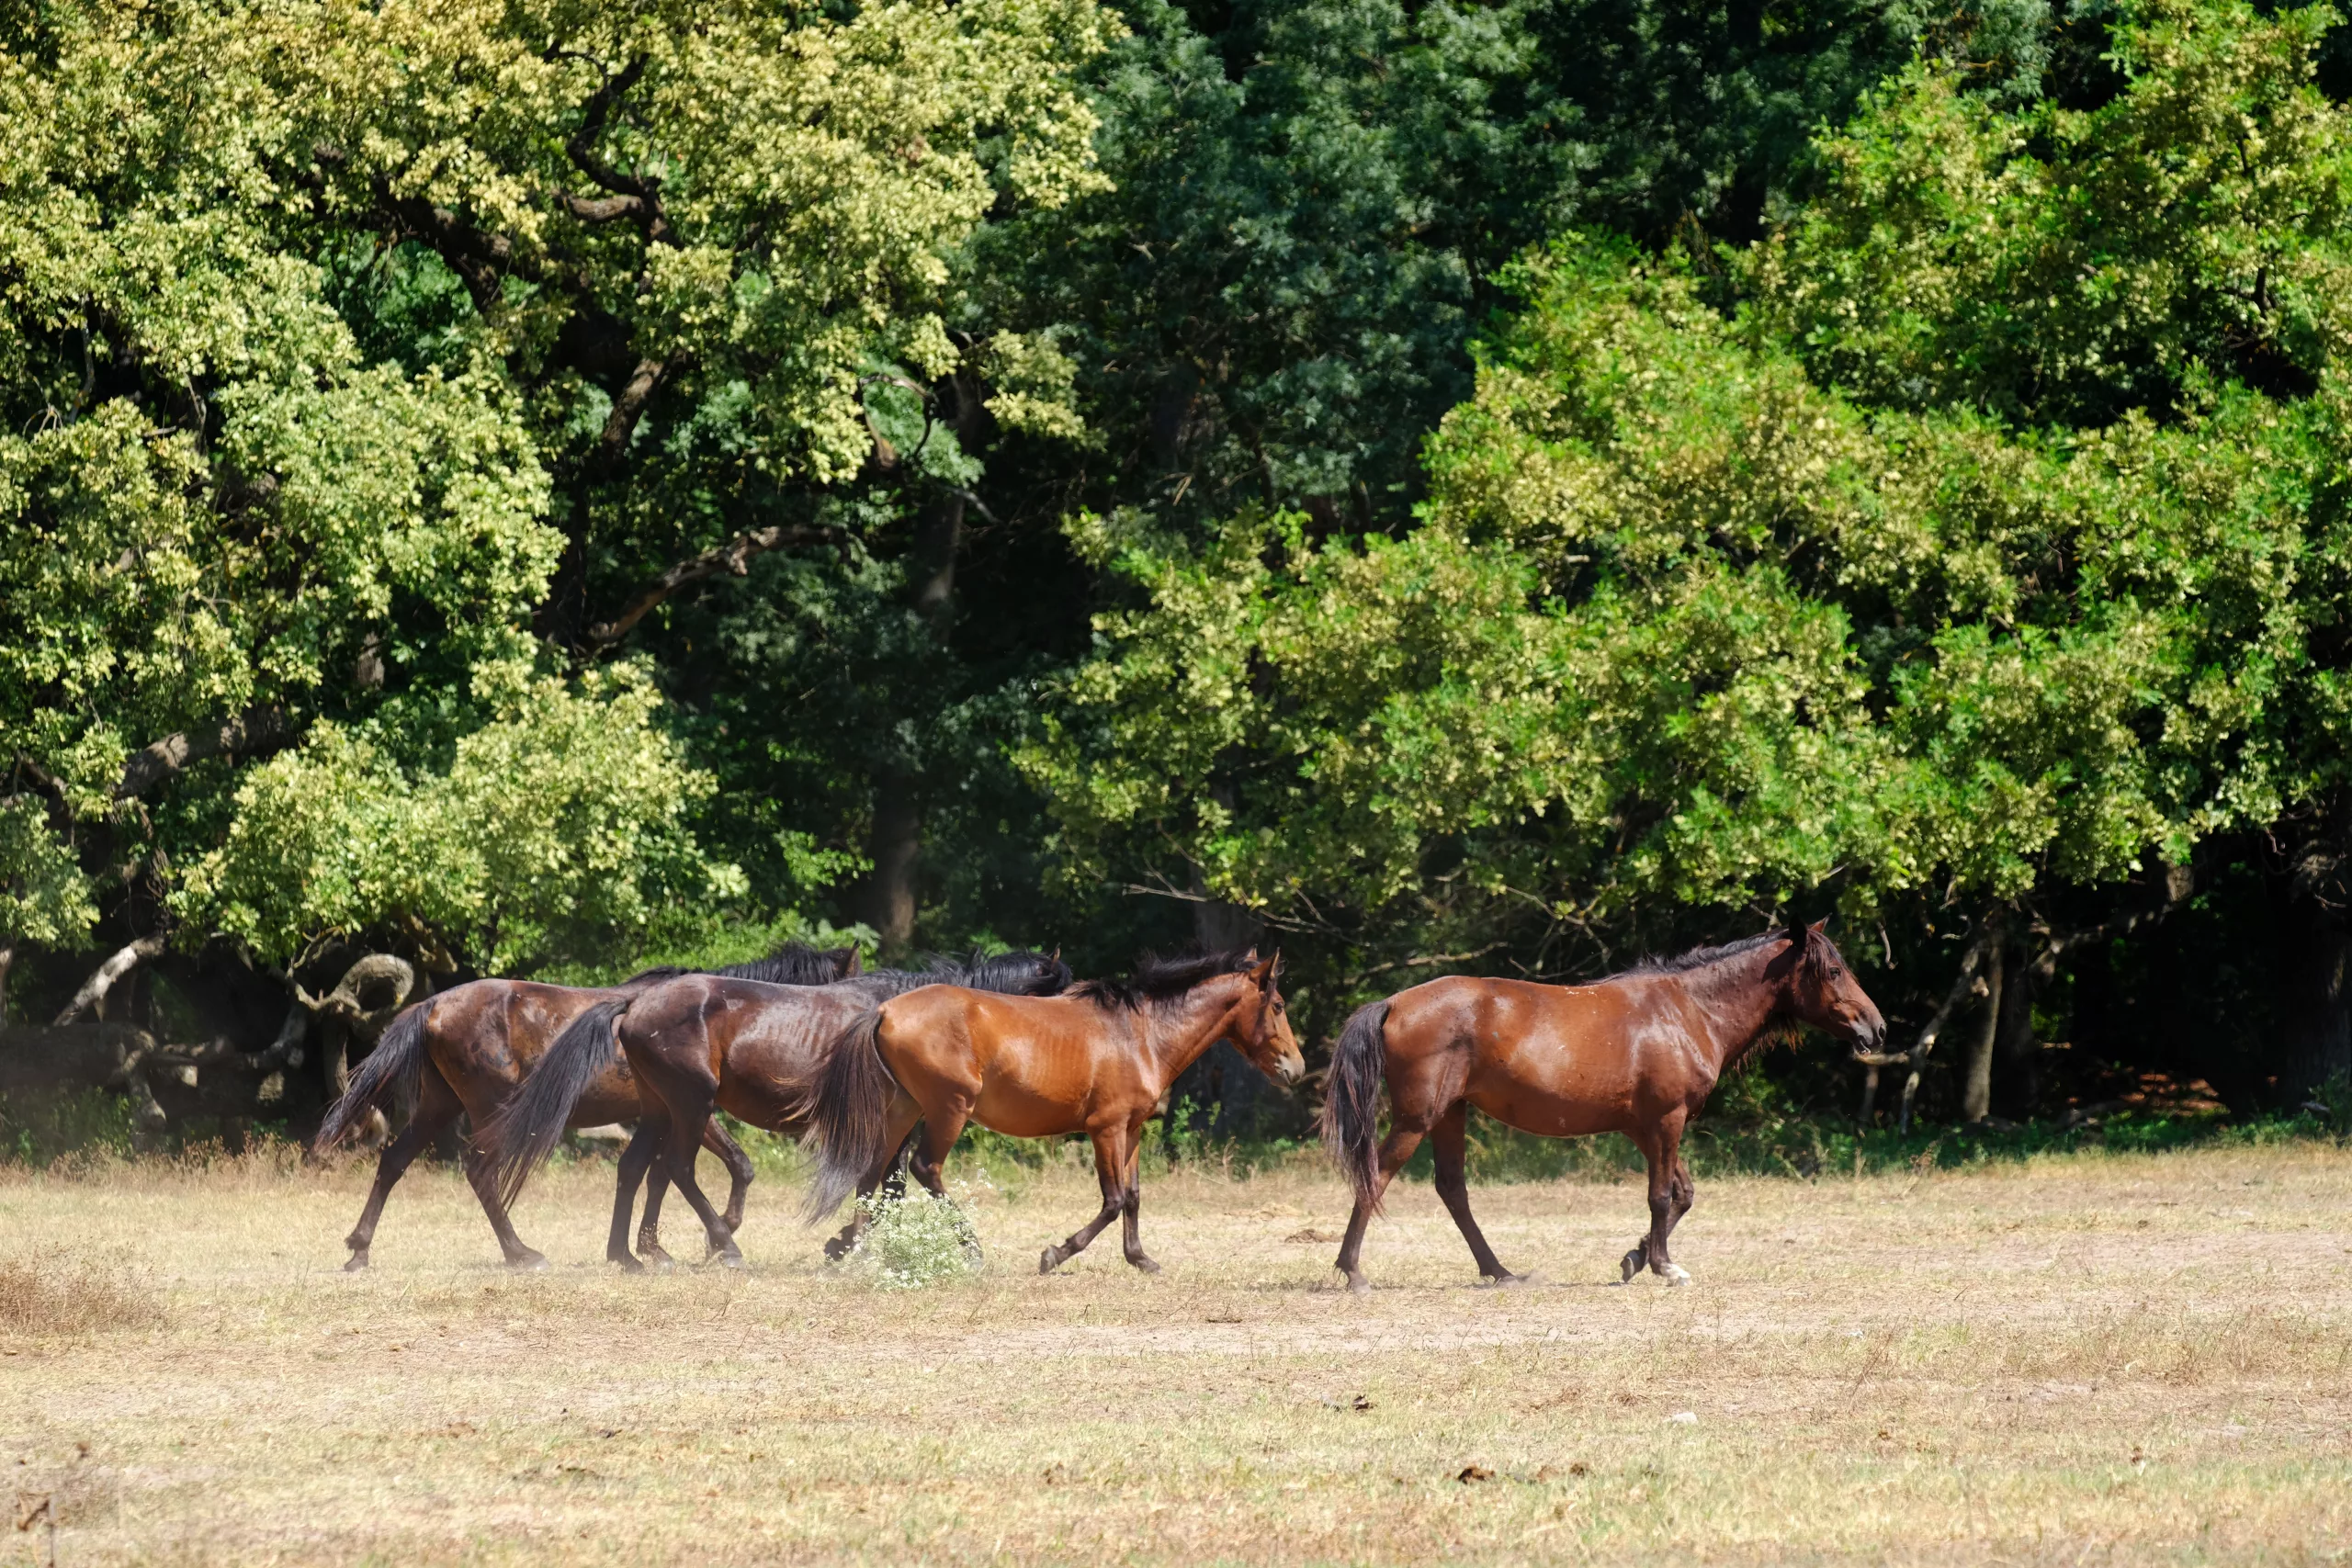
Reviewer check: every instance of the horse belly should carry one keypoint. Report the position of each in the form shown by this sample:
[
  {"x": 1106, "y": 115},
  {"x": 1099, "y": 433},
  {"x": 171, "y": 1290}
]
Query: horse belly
[
  {"x": 1557, "y": 1083},
  {"x": 1026, "y": 1111},
  {"x": 612, "y": 1098}
]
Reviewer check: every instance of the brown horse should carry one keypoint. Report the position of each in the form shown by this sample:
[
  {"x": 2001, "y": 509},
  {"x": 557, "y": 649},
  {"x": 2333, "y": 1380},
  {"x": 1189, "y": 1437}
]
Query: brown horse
[
  {"x": 464, "y": 1050},
  {"x": 702, "y": 1042},
  {"x": 1098, "y": 1060},
  {"x": 1636, "y": 1054}
]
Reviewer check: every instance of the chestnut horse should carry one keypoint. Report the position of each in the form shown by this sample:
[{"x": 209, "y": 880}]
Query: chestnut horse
[
  {"x": 1098, "y": 1060},
  {"x": 464, "y": 1051},
  {"x": 1636, "y": 1054},
  {"x": 702, "y": 1042}
]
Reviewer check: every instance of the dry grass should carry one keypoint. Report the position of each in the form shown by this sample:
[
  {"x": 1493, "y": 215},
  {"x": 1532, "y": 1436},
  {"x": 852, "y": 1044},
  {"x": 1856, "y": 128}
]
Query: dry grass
[{"x": 2089, "y": 1358}]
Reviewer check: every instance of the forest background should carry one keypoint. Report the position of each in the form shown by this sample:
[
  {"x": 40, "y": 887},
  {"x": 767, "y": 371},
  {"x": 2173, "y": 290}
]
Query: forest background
[{"x": 541, "y": 487}]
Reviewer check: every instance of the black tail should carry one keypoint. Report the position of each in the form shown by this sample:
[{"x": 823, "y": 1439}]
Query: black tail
[
  {"x": 1351, "y": 1101},
  {"x": 386, "y": 1081},
  {"x": 853, "y": 1126},
  {"x": 524, "y": 1132}
]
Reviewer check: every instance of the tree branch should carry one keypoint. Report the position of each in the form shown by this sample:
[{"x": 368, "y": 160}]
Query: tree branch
[
  {"x": 257, "y": 729},
  {"x": 102, "y": 979},
  {"x": 629, "y": 407},
  {"x": 635, "y": 196},
  {"x": 732, "y": 557}
]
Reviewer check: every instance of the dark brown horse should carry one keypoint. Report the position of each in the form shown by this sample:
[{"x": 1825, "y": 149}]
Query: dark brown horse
[
  {"x": 1097, "y": 1061},
  {"x": 700, "y": 1043},
  {"x": 465, "y": 1050},
  {"x": 1636, "y": 1054}
]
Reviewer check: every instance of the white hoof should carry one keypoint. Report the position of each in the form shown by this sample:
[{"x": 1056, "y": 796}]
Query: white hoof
[{"x": 1676, "y": 1275}]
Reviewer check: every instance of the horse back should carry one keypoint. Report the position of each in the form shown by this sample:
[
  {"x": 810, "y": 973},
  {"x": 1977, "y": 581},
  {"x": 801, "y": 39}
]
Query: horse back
[
  {"x": 1030, "y": 1066},
  {"x": 485, "y": 1037},
  {"x": 1551, "y": 1059}
]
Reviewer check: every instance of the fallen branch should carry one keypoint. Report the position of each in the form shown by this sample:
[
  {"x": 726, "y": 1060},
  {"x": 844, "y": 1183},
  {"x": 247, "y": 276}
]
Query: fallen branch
[{"x": 102, "y": 979}]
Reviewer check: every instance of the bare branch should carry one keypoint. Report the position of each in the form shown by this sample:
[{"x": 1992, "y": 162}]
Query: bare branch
[
  {"x": 257, "y": 729},
  {"x": 732, "y": 557},
  {"x": 102, "y": 979},
  {"x": 629, "y": 407}
]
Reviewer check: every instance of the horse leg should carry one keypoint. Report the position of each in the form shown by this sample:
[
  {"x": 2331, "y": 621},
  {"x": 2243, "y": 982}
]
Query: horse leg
[
  {"x": 519, "y": 1254},
  {"x": 885, "y": 1174},
  {"x": 1662, "y": 1151},
  {"x": 644, "y": 1150},
  {"x": 1110, "y": 1170},
  {"x": 689, "y": 1114},
  {"x": 1395, "y": 1150},
  {"x": 436, "y": 1110},
  {"x": 1685, "y": 1193},
  {"x": 1448, "y": 1144},
  {"x": 720, "y": 1141},
  {"x": 1131, "y": 1214}
]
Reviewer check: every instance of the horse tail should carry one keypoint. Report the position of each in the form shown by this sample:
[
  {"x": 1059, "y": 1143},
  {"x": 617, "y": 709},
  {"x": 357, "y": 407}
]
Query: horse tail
[
  {"x": 853, "y": 1119},
  {"x": 388, "y": 1079},
  {"x": 524, "y": 1131},
  {"x": 1351, "y": 1101}
]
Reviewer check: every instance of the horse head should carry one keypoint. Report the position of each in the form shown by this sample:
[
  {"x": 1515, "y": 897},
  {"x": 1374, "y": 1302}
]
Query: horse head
[
  {"x": 1822, "y": 992},
  {"x": 1262, "y": 1031}
]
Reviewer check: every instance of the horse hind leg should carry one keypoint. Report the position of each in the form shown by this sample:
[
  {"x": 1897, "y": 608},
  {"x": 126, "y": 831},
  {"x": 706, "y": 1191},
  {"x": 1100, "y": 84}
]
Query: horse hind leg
[
  {"x": 889, "y": 1175},
  {"x": 1395, "y": 1150},
  {"x": 436, "y": 1111},
  {"x": 1449, "y": 1143},
  {"x": 730, "y": 1154},
  {"x": 643, "y": 1152},
  {"x": 519, "y": 1253}
]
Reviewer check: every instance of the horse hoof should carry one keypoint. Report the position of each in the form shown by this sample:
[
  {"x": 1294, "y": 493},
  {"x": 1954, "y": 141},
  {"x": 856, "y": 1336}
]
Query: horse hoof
[
  {"x": 1676, "y": 1274},
  {"x": 357, "y": 1264},
  {"x": 1049, "y": 1260},
  {"x": 1630, "y": 1265},
  {"x": 731, "y": 1258},
  {"x": 1503, "y": 1281},
  {"x": 629, "y": 1265},
  {"x": 527, "y": 1262},
  {"x": 1145, "y": 1264},
  {"x": 1358, "y": 1285}
]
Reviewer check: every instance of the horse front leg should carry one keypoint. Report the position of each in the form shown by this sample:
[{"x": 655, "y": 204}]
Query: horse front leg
[
  {"x": 1110, "y": 1171},
  {"x": 1131, "y": 1212},
  {"x": 1662, "y": 1152}
]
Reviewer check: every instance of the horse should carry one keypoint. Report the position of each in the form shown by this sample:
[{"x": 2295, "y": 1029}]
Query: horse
[
  {"x": 1637, "y": 1053},
  {"x": 464, "y": 1050},
  {"x": 702, "y": 1042},
  {"x": 1098, "y": 1060}
]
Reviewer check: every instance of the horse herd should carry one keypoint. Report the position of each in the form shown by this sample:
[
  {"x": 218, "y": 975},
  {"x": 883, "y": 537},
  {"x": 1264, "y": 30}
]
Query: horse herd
[{"x": 876, "y": 1068}]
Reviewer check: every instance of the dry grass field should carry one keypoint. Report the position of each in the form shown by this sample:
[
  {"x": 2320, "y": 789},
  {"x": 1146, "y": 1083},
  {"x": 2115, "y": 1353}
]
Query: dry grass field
[{"x": 2081, "y": 1358}]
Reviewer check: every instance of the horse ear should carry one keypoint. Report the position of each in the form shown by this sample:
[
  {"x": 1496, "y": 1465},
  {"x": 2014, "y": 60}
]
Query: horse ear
[
  {"x": 856, "y": 964},
  {"x": 1262, "y": 972},
  {"x": 1819, "y": 926}
]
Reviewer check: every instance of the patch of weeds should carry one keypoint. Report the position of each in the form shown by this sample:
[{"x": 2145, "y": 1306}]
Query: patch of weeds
[
  {"x": 914, "y": 1242},
  {"x": 39, "y": 1129},
  {"x": 43, "y": 1302}
]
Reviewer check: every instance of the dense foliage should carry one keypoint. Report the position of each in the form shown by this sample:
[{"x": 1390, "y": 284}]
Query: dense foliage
[{"x": 1495, "y": 485}]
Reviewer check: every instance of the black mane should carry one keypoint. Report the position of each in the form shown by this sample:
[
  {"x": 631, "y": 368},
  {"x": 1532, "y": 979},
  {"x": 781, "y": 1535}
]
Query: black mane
[
  {"x": 1020, "y": 973},
  {"x": 1700, "y": 958},
  {"x": 1158, "y": 979},
  {"x": 794, "y": 964}
]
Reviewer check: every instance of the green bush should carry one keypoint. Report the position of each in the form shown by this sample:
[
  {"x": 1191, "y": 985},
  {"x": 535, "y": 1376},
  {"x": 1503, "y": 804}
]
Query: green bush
[{"x": 914, "y": 1242}]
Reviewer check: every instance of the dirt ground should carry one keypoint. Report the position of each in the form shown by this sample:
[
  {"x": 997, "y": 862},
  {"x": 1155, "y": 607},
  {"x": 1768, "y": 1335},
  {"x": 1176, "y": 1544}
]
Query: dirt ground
[{"x": 2083, "y": 1358}]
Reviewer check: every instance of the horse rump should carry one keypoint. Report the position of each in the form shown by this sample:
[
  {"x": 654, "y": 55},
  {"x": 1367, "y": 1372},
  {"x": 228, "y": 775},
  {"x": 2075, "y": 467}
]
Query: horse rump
[
  {"x": 524, "y": 1131},
  {"x": 1351, "y": 1101},
  {"x": 388, "y": 1081},
  {"x": 852, "y": 1119}
]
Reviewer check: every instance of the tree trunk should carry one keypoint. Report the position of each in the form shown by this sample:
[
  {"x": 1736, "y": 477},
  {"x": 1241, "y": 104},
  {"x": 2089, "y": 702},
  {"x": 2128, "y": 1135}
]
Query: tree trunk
[
  {"x": 895, "y": 846},
  {"x": 7, "y": 957},
  {"x": 2314, "y": 1040},
  {"x": 1976, "y": 1082},
  {"x": 2016, "y": 1053}
]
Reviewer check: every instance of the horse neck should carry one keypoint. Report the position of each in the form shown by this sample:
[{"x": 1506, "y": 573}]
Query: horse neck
[
  {"x": 1177, "y": 1036},
  {"x": 1739, "y": 1002}
]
